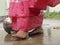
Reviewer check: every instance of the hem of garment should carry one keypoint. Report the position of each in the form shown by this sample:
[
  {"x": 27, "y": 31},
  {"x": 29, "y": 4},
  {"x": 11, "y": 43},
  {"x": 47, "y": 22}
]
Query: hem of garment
[{"x": 26, "y": 30}]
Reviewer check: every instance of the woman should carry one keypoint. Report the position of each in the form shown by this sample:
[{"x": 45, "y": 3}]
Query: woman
[{"x": 26, "y": 15}]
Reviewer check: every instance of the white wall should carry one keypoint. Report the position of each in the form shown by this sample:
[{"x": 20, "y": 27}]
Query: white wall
[
  {"x": 7, "y": 1},
  {"x": 3, "y": 8},
  {"x": 56, "y": 8}
]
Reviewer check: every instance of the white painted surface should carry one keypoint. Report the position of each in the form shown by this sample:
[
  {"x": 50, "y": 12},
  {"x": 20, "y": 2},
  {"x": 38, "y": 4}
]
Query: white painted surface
[
  {"x": 3, "y": 7},
  {"x": 56, "y": 8}
]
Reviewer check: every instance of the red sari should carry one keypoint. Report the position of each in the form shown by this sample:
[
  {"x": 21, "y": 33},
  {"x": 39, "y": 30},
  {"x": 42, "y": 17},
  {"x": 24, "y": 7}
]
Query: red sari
[
  {"x": 53, "y": 3},
  {"x": 26, "y": 14}
]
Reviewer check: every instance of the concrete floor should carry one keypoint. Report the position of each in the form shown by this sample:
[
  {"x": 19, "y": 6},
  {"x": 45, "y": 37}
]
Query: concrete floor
[{"x": 51, "y": 36}]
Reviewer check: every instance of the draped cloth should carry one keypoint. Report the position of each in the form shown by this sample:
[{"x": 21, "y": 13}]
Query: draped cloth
[
  {"x": 26, "y": 14},
  {"x": 53, "y": 3},
  {"x": 20, "y": 8}
]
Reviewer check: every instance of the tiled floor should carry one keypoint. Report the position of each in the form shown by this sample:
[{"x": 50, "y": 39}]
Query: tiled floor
[{"x": 50, "y": 37}]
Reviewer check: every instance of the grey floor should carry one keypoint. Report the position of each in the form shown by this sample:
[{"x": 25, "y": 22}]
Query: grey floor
[{"x": 51, "y": 36}]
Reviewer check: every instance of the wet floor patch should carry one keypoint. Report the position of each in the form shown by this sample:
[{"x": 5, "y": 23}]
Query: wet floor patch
[{"x": 50, "y": 37}]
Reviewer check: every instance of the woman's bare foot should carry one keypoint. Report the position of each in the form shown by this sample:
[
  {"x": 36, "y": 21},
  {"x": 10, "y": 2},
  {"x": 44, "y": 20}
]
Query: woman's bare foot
[
  {"x": 20, "y": 34},
  {"x": 36, "y": 31}
]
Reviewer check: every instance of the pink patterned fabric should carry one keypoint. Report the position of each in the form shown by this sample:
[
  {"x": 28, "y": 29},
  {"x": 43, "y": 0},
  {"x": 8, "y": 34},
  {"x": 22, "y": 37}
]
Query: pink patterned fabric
[
  {"x": 20, "y": 8},
  {"x": 41, "y": 4},
  {"x": 24, "y": 15},
  {"x": 27, "y": 23}
]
